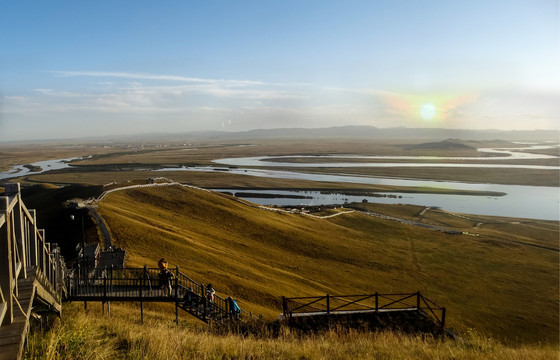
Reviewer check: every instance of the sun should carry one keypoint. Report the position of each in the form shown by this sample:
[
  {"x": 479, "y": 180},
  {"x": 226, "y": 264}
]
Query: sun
[{"x": 427, "y": 111}]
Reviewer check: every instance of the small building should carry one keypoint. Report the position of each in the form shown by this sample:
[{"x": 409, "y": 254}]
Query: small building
[{"x": 111, "y": 258}]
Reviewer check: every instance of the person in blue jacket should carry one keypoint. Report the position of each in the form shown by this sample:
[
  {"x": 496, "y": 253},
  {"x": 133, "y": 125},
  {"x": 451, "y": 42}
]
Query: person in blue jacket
[{"x": 234, "y": 309}]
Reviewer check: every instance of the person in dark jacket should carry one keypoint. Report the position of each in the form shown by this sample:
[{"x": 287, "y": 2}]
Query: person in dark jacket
[
  {"x": 210, "y": 293},
  {"x": 165, "y": 277}
]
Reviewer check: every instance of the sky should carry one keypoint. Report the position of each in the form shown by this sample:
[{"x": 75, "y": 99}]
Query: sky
[{"x": 72, "y": 69}]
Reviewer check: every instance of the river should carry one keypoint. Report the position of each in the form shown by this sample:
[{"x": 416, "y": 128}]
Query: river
[{"x": 536, "y": 202}]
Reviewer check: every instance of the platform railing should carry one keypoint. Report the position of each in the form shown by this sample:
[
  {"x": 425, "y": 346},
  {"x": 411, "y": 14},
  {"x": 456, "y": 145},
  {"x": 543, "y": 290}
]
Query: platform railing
[
  {"x": 143, "y": 285},
  {"x": 363, "y": 303}
]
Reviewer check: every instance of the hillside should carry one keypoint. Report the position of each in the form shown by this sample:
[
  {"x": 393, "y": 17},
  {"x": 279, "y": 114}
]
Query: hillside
[
  {"x": 449, "y": 144},
  {"x": 258, "y": 256}
]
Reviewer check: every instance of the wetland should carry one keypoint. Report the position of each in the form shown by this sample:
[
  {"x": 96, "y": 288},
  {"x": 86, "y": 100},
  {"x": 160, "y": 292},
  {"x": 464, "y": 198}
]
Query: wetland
[{"x": 487, "y": 178}]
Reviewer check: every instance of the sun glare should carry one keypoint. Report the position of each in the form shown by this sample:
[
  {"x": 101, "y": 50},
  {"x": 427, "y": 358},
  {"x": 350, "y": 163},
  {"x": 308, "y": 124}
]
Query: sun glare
[{"x": 427, "y": 111}]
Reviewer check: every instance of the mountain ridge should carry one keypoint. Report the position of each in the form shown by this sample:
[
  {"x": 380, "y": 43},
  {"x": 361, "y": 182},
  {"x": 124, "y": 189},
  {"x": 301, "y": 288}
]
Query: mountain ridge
[{"x": 349, "y": 131}]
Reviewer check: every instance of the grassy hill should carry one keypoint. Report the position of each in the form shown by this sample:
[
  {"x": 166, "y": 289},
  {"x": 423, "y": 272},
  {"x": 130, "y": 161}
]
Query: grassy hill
[{"x": 505, "y": 290}]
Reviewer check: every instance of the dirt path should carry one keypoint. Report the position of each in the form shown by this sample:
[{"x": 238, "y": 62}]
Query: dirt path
[{"x": 102, "y": 226}]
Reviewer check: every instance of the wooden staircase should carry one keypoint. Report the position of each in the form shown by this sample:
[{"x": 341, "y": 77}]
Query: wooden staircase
[
  {"x": 193, "y": 301},
  {"x": 31, "y": 272}
]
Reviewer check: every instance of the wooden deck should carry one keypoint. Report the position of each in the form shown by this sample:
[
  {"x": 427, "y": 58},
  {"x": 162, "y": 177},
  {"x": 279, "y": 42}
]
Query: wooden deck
[
  {"x": 348, "y": 312},
  {"x": 411, "y": 310}
]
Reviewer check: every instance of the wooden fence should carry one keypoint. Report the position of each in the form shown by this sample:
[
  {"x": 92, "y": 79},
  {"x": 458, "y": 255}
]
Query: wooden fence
[{"x": 24, "y": 252}]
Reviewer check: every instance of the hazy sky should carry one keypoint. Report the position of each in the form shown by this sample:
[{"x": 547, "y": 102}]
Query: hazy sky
[{"x": 82, "y": 68}]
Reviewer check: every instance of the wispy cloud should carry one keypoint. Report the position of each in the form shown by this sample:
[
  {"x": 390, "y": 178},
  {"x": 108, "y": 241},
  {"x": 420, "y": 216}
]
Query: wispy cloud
[
  {"x": 149, "y": 102},
  {"x": 146, "y": 76},
  {"x": 177, "y": 91}
]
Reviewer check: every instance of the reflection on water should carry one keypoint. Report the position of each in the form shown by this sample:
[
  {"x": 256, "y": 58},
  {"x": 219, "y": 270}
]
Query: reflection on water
[
  {"x": 530, "y": 202},
  {"x": 33, "y": 169},
  {"x": 435, "y": 161},
  {"x": 537, "y": 202}
]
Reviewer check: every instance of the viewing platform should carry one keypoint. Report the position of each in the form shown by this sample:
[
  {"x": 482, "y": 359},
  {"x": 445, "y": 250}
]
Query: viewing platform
[{"x": 407, "y": 311}]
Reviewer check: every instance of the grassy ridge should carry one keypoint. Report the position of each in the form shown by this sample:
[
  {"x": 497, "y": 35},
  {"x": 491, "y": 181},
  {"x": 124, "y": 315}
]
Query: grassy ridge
[{"x": 257, "y": 256}]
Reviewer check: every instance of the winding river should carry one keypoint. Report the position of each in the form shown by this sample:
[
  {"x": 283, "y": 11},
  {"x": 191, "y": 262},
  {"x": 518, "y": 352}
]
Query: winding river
[{"x": 535, "y": 202}]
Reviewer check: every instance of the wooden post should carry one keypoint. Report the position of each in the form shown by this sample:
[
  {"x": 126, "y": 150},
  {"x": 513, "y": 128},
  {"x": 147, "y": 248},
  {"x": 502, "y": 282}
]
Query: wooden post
[
  {"x": 42, "y": 249},
  {"x": 141, "y": 302},
  {"x": 285, "y": 306},
  {"x": 177, "y": 295},
  {"x": 19, "y": 237},
  {"x": 6, "y": 269},
  {"x": 13, "y": 252},
  {"x": 110, "y": 291},
  {"x": 376, "y": 301},
  {"x": 33, "y": 245},
  {"x": 328, "y": 305},
  {"x": 26, "y": 235},
  {"x": 418, "y": 301},
  {"x": 57, "y": 272},
  {"x": 443, "y": 311},
  {"x": 105, "y": 285},
  {"x": 55, "y": 268},
  {"x": 228, "y": 309},
  {"x": 204, "y": 302},
  {"x": 52, "y": 268}
]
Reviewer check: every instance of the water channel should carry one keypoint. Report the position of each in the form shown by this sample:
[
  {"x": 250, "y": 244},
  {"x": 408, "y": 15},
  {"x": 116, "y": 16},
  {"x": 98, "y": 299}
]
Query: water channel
[{"x": 536, "y": 202}]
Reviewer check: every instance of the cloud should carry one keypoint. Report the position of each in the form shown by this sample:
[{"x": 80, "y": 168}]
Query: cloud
[
  {"x": 120, "y": 101},
  {"x": 146, "y": 76},
  {"x": 159, "y": 95}
]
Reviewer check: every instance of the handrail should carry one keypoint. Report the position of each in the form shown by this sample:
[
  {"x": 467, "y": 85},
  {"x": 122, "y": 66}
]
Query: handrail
[
  {"x": 143, "y": 284},
  {"x": 219, "y": 304},
  {"x": 23, "y": 249},
  {"x": 360, "y": 303}
]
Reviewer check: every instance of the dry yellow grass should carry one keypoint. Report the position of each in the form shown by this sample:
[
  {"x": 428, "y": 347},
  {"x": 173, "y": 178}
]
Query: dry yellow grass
[
  {"x": 503, "y": 289},
  {"x": 95, "y": 336}
]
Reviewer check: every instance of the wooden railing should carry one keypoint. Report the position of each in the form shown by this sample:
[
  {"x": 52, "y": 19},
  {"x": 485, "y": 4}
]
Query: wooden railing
[
  {"x": 143, "y": 285},
  {"x": 355, "y": 304},
  {"x": 24, "y": 251}
]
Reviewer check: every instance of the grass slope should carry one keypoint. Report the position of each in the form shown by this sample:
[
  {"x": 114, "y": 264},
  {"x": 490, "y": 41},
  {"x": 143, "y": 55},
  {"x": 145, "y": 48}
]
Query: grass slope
[
  {"x": 505, "y": 290},
  {"x": 93, "y": 335}
]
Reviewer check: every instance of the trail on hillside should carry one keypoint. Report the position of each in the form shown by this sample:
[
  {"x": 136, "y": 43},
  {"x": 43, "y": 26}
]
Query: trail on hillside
[{"x": 102, "y": 225}]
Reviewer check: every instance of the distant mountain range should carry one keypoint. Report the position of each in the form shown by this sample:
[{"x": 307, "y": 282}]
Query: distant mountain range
[
  {"x": 380, "y": 133},
  {"x": 358, "y": 132}
]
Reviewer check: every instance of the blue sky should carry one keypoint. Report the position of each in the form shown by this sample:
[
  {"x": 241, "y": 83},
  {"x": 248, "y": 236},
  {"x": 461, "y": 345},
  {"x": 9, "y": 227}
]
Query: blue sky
[{"x": 70, "y": 69}]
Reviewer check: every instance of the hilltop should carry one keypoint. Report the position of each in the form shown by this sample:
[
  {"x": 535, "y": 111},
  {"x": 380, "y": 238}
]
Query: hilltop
[
  {"x": 449, "y": 144},
  {"x": 257, "y": 256}
]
